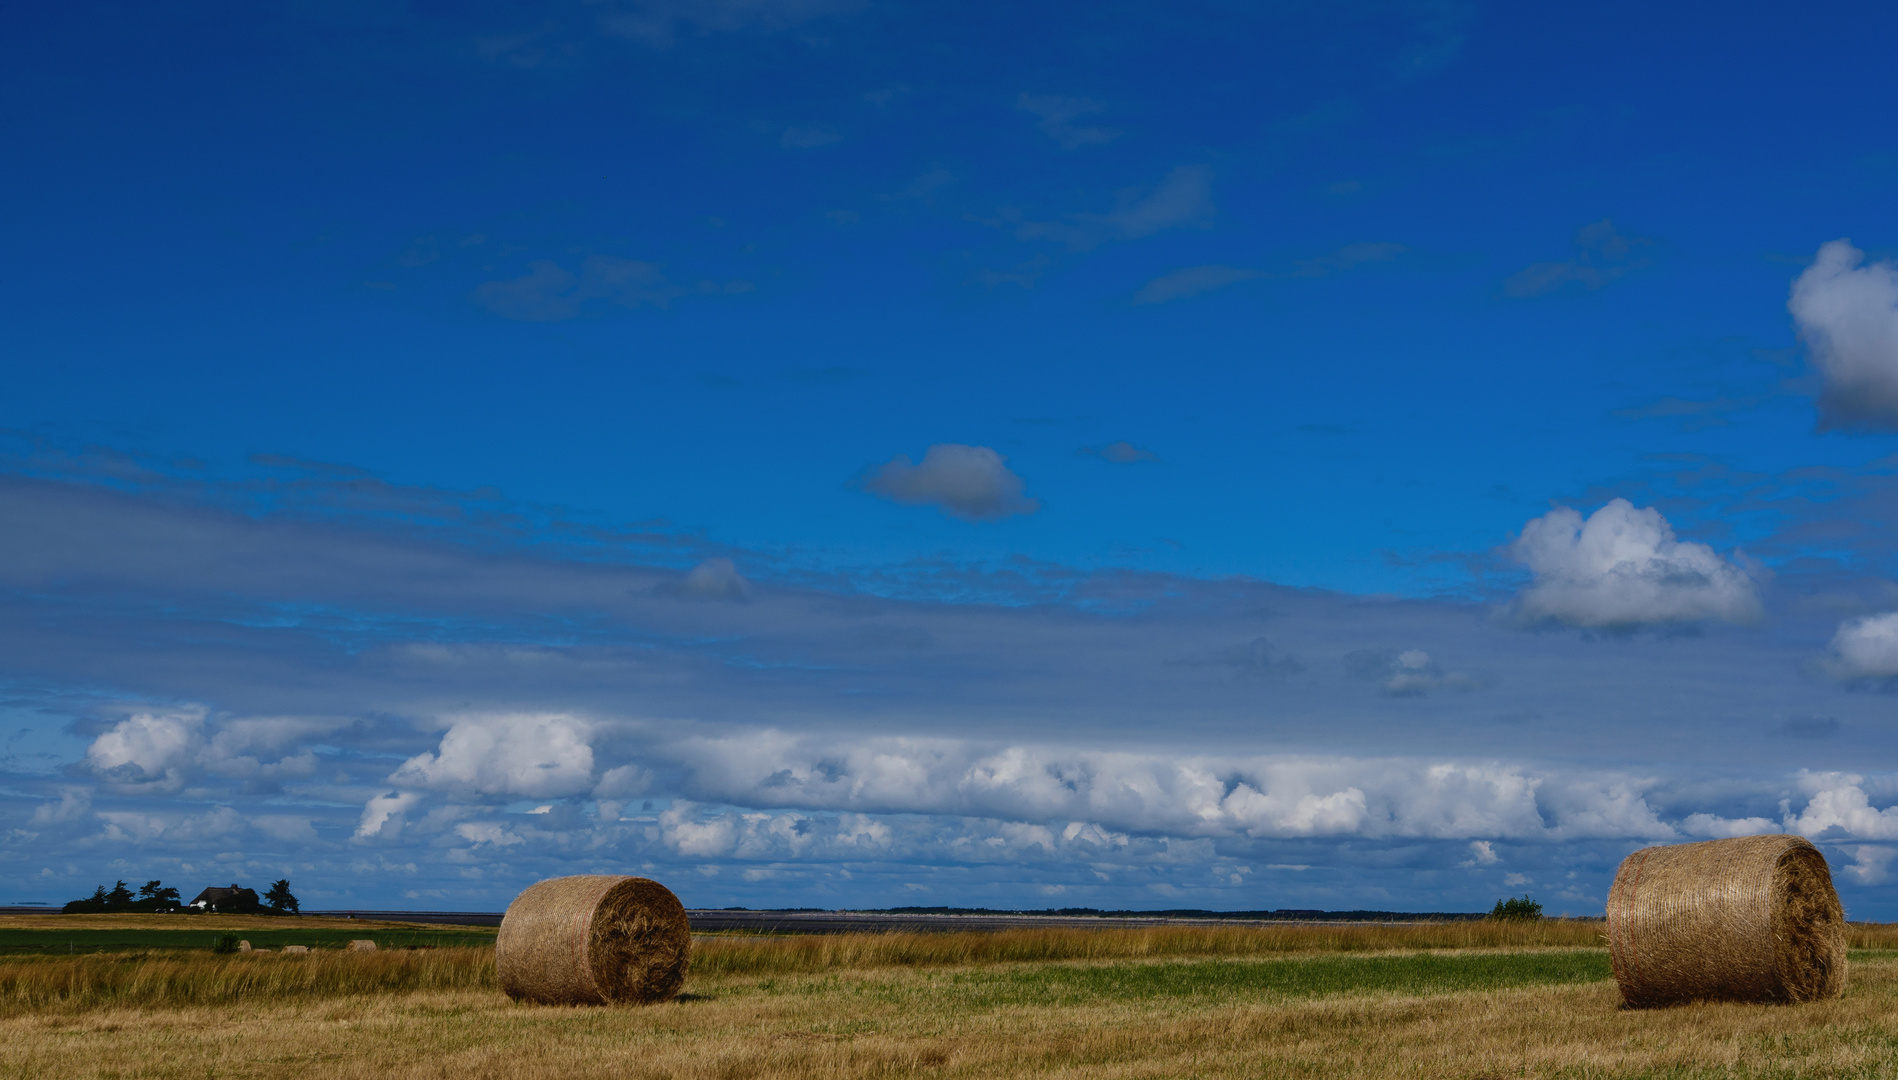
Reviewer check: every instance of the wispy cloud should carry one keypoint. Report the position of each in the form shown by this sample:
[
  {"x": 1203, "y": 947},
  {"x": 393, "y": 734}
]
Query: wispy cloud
[
  {"x": 550, "y": 293},
  {"x": 1181, "y": 198},
  {"x": 1602, "y": 256},
  {"x": 660, "y": 22},
  {"x": 1120, "y": 452},
  {"x": 808, "y": 138},
  {"x": 1199, "y": 280},
  {"x": 1193, "y": 281},
  {"x": 1407, "y": 672},
  {"x": 1058, "y": 115}
]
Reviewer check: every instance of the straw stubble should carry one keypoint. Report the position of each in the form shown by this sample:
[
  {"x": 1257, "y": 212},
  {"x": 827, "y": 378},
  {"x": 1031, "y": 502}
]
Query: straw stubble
[
  {"x": 1753, "y": 918},
  {"x": 594, "y": 939}
]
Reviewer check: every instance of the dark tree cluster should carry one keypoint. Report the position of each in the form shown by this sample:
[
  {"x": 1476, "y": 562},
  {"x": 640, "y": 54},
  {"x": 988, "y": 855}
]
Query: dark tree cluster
[
  {"x": 156, "y": 896},
  {"x": 152, "y": 896},
  {"x": 279, "y": 898},
  {"x": 1516, "y": 907}
]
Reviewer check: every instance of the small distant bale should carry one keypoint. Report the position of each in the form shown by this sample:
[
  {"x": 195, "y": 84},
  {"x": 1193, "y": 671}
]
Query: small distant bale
[
  {"x": 1754, "y": 918},
  {"x": 594, "y": 939},
  {"x": 360, "y": 945},
  {"x": 243, "y": 946},
  {"x": 296, "y": 948}
]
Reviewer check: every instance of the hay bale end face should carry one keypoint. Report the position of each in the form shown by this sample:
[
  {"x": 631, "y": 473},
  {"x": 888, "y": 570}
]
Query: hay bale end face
[
  {"x": 594, "y": 939},
  {"x": 361, "y": 945},
  {"x": 243, "y": 946},
  {"x": 1754, "y": 918}
]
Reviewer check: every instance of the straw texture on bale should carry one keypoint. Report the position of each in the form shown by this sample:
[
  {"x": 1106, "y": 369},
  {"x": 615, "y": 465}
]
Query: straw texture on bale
[
  {"x": 296, "y": 949},
  {"x": 243, "y": 946},
  {"x": 360, "y": 945},
  {"x": 1754, "y": 918},
  {"x": 594, "y": 939}
]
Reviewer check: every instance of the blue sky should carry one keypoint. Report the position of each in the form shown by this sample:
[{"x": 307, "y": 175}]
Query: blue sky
[{"x": 824, "y": 452}]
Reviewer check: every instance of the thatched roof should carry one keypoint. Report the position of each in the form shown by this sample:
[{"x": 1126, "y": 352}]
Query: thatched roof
[{"x": 219, "y": 898}]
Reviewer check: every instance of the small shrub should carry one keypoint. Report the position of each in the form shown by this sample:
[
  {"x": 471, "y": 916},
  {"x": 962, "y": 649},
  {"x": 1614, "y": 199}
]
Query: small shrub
[
  {"x": 225, "y": 944},
  {"x": 1516, "y": 908}
]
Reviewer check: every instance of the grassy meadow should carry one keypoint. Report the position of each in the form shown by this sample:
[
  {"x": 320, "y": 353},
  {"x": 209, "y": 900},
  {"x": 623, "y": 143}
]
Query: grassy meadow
[{"x": 1447, "y": 1000}]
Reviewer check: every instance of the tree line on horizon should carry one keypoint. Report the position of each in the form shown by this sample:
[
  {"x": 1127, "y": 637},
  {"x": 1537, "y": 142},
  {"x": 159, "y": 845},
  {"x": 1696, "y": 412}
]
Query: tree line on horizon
[{"x": 157, "y": 897}]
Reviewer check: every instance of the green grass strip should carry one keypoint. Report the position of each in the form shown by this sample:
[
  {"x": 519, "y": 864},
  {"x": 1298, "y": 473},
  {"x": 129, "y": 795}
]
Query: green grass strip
[
  {"x": 1207, "y": 982},
  {"x": 76, "y": 941}
]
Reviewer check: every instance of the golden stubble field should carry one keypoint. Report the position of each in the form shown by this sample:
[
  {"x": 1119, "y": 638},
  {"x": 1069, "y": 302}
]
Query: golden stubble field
[{"x": 1317, "y": 1002}]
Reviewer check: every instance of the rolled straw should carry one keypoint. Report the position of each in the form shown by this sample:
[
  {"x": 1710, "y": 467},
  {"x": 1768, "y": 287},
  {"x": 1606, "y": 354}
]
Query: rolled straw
[
  {"x": 594, "y": 939},
  {"x": 1753, "y": 918}
]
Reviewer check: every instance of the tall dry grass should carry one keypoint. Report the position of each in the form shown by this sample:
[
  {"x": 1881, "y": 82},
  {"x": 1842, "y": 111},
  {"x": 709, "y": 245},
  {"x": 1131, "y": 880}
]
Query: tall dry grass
[
  {"x": 37, "y": 984},
  {"x": 1871, "y": 935}
]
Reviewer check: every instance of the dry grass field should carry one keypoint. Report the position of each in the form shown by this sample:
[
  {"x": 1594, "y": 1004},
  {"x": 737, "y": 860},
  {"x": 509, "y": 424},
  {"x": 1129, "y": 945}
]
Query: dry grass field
[{"x": 1456, "y": 1000}]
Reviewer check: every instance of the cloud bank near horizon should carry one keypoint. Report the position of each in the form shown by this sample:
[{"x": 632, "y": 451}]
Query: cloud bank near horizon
[{"x": 397, "y": 712}]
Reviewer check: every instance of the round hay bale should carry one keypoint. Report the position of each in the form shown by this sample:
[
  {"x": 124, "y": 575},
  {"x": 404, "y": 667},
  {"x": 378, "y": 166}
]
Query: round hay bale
[
  {"x": 1754, "y": 918},
  {"x": 593, "y": 939},
  {"x": 360, "y": 945}
]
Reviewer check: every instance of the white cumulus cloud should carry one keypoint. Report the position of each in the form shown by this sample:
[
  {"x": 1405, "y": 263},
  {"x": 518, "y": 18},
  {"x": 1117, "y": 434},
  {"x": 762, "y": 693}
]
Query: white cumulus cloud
[
  {"x": 148, "y": 750},
  {"x": 1622, "y": 568},
  {"x": 1155, "y": 794},
  {"x": 1871, "y": 864},
  {"x": 1865, "y": 648},
  {"x": 1720, "y": 828},
  {"x": 169, "y": 827},
  {"x": 487, "y": 832},
  {"x": 1839, "y": 801},
  {"x": 531, "y": 755},
  {"x": 970, "y": 482},
  {"x": 1847, "y": 314},
  {"x": 74, "y": 804},
  {"x": 383, "y": 815},
  {"x": 687, "y": 835}
]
